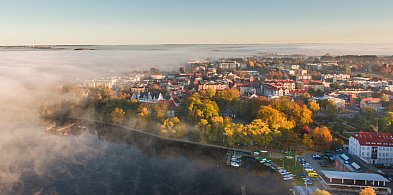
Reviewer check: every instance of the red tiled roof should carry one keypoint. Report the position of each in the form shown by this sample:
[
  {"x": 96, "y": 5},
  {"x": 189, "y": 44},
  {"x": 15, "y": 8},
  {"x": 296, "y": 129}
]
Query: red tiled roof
[
  {"x": 279, "y": 81},
  {"x": 297, "y": 91},
  {"x": 371, "y": 100},
  {"x": 374, "y": 138}
]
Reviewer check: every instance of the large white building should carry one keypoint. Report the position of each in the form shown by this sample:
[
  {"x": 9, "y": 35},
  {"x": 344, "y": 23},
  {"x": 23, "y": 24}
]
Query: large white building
[
  {"x": 277, "y": 88},
  {"x": 373, "y": 147}
]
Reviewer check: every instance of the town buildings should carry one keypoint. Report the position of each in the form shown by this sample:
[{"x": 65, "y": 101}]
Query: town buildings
[
  {"x": 374, "y": 103},
  {"x": 372, "y": 147}
]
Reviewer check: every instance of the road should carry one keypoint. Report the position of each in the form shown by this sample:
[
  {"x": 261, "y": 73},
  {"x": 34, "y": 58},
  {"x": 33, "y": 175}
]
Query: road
[{"x": 317, "y": 167}]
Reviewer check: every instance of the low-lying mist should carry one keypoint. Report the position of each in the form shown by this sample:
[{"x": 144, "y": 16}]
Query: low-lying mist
[{"x": 28, "y": 78}]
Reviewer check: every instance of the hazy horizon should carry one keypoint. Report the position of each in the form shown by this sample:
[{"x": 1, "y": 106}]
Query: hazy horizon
[{"x": 44, "y": 22}]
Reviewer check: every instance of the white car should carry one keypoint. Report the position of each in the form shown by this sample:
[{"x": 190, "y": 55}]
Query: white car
[
  {"x": 234, "y": 164},
  {"x": 288, "y": 178}
]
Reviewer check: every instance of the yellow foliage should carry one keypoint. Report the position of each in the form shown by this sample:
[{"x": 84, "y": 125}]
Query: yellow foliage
[
  {"x": 368, "y": 191},
  {"x": 321, "y": 192},
  {"x": 274, "y": 118},
  {"x": 118, "y": 115},
  {"x": 322, "y": 136}
]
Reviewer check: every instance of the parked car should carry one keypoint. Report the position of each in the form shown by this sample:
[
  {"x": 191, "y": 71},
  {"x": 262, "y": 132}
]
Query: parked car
[
  {"x": 313, "y": 175},
  {"x": 316, "y": 157},
  {"x": 288, "y": 178},
  {"x": 234, "y": 164}
]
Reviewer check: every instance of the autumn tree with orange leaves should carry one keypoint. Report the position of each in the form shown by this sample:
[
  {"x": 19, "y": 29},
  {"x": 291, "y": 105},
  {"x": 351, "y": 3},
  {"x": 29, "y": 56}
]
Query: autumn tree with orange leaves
[{"x": 322, "y": 137}]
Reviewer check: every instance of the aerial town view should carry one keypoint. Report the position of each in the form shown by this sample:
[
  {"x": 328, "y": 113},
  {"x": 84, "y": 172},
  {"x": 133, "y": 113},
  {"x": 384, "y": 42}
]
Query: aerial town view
[{"x": 196, "y": 97}]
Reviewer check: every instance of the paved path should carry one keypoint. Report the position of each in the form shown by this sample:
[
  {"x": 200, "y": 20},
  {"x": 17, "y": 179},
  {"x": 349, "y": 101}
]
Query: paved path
[{"x": 164, "y": 138}]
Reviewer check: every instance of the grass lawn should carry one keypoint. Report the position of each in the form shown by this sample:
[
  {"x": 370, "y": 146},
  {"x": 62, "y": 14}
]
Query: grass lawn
[{"x": 290, "y": 165}]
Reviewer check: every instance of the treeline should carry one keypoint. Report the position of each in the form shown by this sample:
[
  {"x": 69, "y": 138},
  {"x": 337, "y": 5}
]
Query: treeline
[{"x": 217, "y": 117}]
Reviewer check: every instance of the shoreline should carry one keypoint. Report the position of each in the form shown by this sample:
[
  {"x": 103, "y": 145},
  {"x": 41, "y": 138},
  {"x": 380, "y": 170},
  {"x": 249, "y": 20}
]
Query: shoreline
[{"x": 163, "y": 138}]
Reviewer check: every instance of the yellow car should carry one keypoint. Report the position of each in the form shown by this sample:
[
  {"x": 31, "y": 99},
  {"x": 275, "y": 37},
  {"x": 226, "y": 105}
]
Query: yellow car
[{"x": 313, "y": 175}]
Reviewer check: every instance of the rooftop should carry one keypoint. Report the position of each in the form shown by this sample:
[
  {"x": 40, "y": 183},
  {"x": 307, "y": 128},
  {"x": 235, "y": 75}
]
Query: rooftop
[
  {"x": 374, "y": 138},
  {"x": 354, "y": 176}
]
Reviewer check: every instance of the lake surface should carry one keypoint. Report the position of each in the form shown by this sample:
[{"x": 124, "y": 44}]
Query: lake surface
[{"x": 122, "y": 162}]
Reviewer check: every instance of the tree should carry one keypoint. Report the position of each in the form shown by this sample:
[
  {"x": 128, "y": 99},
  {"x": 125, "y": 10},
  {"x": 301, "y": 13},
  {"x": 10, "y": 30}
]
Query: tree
[
  {"x": 209, "y": 93},
  {"x": 384, "y": 97},
  {"x": 321, "y": 192},
  {"x": 223, "y": 97},
  {"x": 160, "y": 111},
  {"x": 368, "y": 191},
  {"x": 234, "y": 133},
  {"x": 307, "y": 141},
  {"x": 144, "y": 112},
  {"x": 388, "y": 122},
  {"x": 155, "y": 86},
  {"x": 305, "y": 116},
  {"x": 118, "y": 116},
  {"x": 259, "y": 131},
  {"x": 198, "y": 108},
  {"x": 289, "y": 138},
  {"x": 144, "y": 115},
  {"x": 331, "y": 109},
  {"x": 337, "y": 143},
  {"x": 313, "y": 106},
  {"x": 251, "y": 64},
  {"x": 274, "y": 118},
  {"x": 173, "y": 128},
  {"x": 322, "y": 136},
  {"x": 306, "y": 130},
  {"x": 294, "y": 111}
]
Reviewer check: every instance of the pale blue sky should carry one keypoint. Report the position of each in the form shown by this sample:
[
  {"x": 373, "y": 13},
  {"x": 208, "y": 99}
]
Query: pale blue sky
[{"x": 194, "y": 21}]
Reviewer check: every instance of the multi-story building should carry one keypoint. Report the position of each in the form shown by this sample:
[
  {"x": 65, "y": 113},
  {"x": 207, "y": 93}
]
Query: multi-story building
[
  {"x": 311, "y": 84},
  {"x": 277, "y": 88},
  {"x": 105, "y": 82},
  {"x": 229, "y": 65},
  {"x": 335, "y": 77},
  {"x": 372, "y": 147},
  {"x": 373, "y": 103},
  {"x": 273, "y": 91},
  {"x": 214, "y": 86}
]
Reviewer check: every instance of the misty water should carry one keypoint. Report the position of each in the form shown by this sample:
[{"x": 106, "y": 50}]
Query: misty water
[
  {"x": 117, "y": 161},
  {"x": 32, "y": 160}
]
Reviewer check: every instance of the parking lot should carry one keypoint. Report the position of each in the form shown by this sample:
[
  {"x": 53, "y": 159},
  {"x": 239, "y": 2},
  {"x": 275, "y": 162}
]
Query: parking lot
[{"x": 316, "y": 163}]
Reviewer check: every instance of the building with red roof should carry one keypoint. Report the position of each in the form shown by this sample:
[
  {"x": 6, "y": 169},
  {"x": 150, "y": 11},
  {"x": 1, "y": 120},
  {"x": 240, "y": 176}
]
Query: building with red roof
[
  {"x": 372, "y": 147},
  {"x": 371, "y": 103}
]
